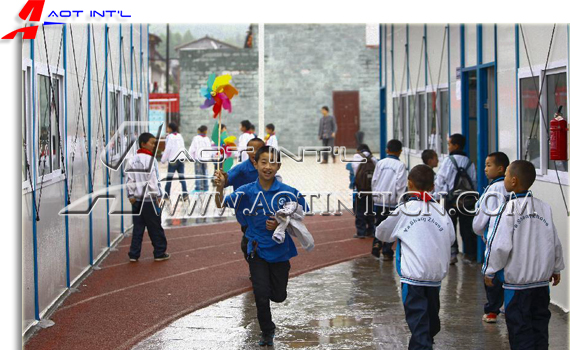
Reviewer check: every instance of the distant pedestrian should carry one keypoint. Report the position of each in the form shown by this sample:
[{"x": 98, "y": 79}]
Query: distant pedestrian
[
  {"x": 247, "y": 134},
  {"x": 144, "y": 192},
  {"x": 271, "y": 138},
  {"x": 201, "y": 143},
  {"x": 327, "y": 132},
  {"x": 363, "y": 203},
  {"x": 174, "y": 145}
]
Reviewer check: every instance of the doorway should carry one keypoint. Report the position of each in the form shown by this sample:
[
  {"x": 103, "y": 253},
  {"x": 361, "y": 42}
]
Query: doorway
[{"x": 346, "y": 109}]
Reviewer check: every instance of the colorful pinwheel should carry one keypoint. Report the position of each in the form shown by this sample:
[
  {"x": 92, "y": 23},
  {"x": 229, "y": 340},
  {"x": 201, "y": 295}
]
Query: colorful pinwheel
[{"x": 218, "y": 94}]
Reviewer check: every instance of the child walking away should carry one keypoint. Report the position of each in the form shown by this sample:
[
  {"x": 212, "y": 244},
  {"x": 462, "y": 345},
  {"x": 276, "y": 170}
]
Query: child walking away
[
  {"x": 247, "y": 134},
  {"x": 524, "y": 243},
  {"x": 389, "y": 177},
  {"x": 143, "y": 190},
  {"x": 424, "y": 233},
  {"x": 457, "y": 175},
  {"x": 487, "y": 207},
  {"x": 174, "y": 145},
  {"x": 271, "y": 138},
  {"x": 429, "y": 157},
  {"x": 199, "y": 148},
  {"x": 363, "y": 203},
  {"x": 268, "y": 260}
]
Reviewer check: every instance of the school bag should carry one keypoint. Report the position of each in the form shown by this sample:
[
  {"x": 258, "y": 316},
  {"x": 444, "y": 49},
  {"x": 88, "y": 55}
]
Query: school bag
[
  {"x": 363, "y": 176},
  {"x": 462, "y": 184}
]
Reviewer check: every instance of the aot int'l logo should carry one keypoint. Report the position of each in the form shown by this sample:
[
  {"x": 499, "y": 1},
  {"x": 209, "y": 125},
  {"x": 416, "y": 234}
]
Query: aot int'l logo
[{"x": 32, "y": 8}]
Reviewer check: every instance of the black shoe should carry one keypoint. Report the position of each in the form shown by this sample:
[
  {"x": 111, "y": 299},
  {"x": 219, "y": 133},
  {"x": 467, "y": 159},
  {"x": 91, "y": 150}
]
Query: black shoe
[
  {"x": 358, "y": 236},
  {"x": 266, "y": 339},
  {"x": 163, "y": 257},
  {"x": 387, "y": 257},
  {"x": 376, "y": 251}
]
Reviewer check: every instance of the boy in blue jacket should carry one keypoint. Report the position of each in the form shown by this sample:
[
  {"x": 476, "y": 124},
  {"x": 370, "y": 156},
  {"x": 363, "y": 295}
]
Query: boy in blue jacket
[{"x": 268, "y": 260}]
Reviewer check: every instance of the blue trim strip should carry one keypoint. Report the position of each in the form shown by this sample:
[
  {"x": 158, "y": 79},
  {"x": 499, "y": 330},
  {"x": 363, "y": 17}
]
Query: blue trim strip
[
  {"x": 404, "y": 292},
  {"x": 34, "y": 180},
  {"x": 89, "y": 184},
  {"x": 121, "y": 43},
  {"x": 479, "y": 44},
  {"x": 496, "y": 57},
  {"x": 462, "y": 45},
  {"x": 383, "y": 132},
  {"x": 508, "y": 286},
  {"x": 420, "y": 283},
  {"x": 509, "y": 294},
  {"x": 67, "y": 264},
  {"x": 517, "y": 65},
  {"x": 107, "y": 128}
]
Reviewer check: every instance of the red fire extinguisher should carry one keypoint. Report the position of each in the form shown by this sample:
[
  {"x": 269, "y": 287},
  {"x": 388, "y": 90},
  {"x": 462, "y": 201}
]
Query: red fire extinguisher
[{"x": 558, "y": 137}]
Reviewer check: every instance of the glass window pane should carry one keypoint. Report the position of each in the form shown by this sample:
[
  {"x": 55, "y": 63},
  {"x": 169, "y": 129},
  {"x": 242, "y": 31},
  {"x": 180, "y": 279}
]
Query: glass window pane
[
  {"x": 137, "y": 115},
  {"x": 55, "y": 134},
  {"x": 403, "y": 122},
  {"x": 530, "y": 119},
  {"x": 432, "y": 121},
  {"x": 114, "y": 123},
  {"x": 444, "y": 117},
  {"x": 556, "y": 92},
  {"x": 421, "y": 116},
  {"x": 396, "y": 117},
  {"x": 44, "y": 143},
  {"x": 24, "y": 116},
  {"x": 412, "y": 111}
]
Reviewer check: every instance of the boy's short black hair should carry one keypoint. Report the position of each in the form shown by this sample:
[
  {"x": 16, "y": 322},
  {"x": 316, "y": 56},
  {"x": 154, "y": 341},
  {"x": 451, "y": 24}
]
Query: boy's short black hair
[
  {"x": 255, "y": 139},
  {"x": 500, "y": 159},
  {"x": 145, "y": 137},
  {"x": 223, "y": 126},
  {"x": 394, "y": 146},
  {"x": 270, "y": 127},
  {"x": 363, "y": 147},
  {"x": 246, "y": 124},
  {"x": 203, "y": 128},
  {"x": 459, "y": 140},
  {"x": 268, "y": 149},
  {"x": 422, "y": 176},
  {"x": 173, "y": 126},
  {"x": 325, "y": 108},
  {"x": 252, "y": 127},
  {"x": 524, "y": 171},
  {"x": 428, "y": 154}
]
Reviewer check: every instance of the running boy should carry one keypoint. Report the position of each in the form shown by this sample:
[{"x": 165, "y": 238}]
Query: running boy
[
  {"x": 524, "y": 243},
  {"x": 199, "y": 147},
  {"x": 268, "y": 260},
  {"x": 143, "y": 190},
  {"x": 455, "y": 171},
  {"x": 422, "y": 255},
  {"x": 389, "y": 176},
  {"x": 488, "y": 206},
  {"x": 271, "y": 138}
]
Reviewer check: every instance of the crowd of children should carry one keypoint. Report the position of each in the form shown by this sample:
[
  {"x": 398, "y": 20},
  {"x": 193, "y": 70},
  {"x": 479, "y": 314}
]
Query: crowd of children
[{"x": 399, "y": 207}]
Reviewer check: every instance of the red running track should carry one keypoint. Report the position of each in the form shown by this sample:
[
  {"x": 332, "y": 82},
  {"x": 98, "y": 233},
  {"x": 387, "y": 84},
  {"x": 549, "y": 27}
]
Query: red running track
[{"x": 123, "y": 303}]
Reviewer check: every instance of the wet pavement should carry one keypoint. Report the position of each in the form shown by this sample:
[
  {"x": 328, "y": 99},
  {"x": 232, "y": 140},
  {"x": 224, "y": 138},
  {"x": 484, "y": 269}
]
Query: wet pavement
[{"x": 352, "y": 305}]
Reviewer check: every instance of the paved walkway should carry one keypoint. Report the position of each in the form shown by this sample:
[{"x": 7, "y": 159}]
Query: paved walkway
[{"x": 352, "y": 305}]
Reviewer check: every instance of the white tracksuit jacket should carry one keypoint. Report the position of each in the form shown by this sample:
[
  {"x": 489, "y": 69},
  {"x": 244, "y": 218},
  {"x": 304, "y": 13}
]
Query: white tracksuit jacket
[
  {"x": 390, "y": 176},
  {"x": 174, "y": 146},
  {"x": 147, "y": 168},
  {"x": 525, "y": 245},
  {"x": 489, "y": 203},
  {"x": 199, "y": 148},
  {"x": 424, "y": 241},
  {"x": 445, "y": 179}
]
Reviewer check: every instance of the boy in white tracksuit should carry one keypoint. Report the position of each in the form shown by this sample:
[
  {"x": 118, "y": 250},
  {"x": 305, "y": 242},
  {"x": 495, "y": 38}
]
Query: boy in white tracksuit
[
  {"x": 422, "y": 255},
  {"x": 487, "y": 207},
  {"x": 390, "y": 178},
  {"x": 198, "y": 150},
  {"x": 524, "y": 243},
  {"x": 445, "y": 182}
]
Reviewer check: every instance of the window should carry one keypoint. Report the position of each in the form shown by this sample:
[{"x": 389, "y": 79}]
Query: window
[
  {"x": 530, "y": 127},
  {"x": 422, "y": 121},
  {"x": 444, "y": 118},
  {"x": 432, "y": 123},
  {"x": 137, "y": 115},
  {"x": 556, "y": 94},
  {"x": 396, "y": 117},
  {"x": 412, "y": 112},
  {"x": 114, "y": 111},
  {"x": 403, "y": 121},
  {"x": 535, "y": 113},
  {"x": 48, "y": 136}
]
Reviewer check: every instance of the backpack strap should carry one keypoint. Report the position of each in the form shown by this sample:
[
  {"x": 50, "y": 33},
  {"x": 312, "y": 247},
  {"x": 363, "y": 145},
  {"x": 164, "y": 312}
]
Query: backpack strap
[{"x": 454, "y": 161}]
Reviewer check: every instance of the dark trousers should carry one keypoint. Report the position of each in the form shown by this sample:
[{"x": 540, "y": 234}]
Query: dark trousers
[
  {"x": 421, "y": 305},
  {"x": 495, "y": 296},
  {"x": 151, "y": 221},
  {"x": 244, "y": 242},
  {"x": 386, "y": 246},
  {"x": 177, "y": 166},
  {"x": 364, "y": 223},
  {"x": 328, "y": 142},
  {"x": 269, "y": 282},
  {"x": 467, "y": 235},
  {"x": 201, "y": 171},
  {"x": 527, "y": 316}
]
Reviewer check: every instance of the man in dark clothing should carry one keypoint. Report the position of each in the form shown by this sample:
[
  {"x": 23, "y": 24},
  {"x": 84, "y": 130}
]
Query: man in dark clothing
[{"x": 327, "y": 132}]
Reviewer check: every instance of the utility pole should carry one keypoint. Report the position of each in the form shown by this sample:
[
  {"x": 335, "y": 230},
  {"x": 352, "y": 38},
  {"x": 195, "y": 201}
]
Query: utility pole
[{"x": 167, "y": 58}]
